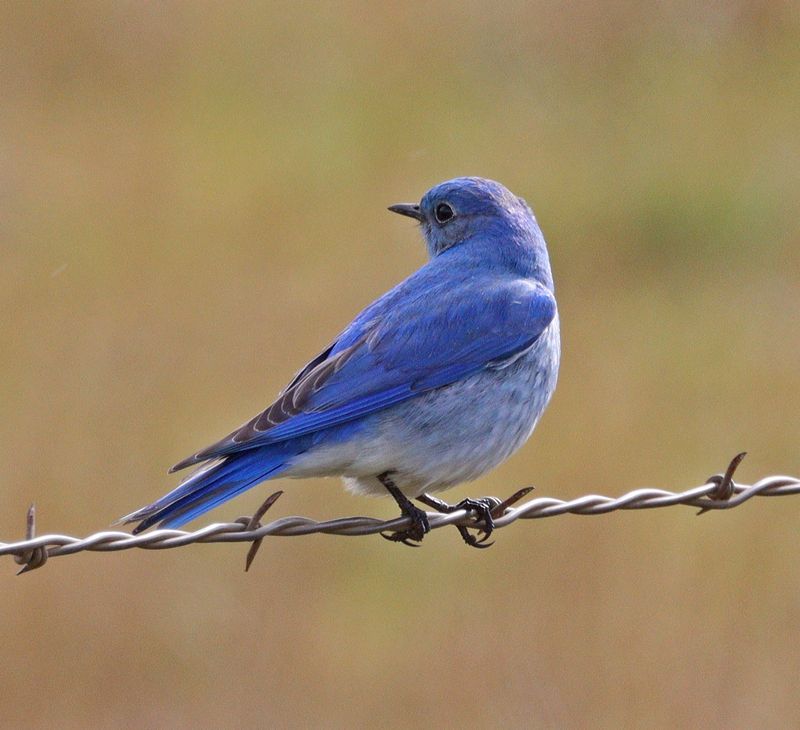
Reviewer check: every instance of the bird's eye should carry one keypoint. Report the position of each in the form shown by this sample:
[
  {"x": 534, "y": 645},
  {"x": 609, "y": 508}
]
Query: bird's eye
[{"x": 443, "y": 212}]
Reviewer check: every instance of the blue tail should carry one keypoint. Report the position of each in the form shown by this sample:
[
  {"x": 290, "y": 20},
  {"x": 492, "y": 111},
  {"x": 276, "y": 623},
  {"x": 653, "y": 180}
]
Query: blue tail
[{"x": 210, "y": 486}]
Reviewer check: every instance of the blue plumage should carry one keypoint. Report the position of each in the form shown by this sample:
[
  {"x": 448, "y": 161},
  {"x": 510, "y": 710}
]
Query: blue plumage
[{"x": 435, "y": 382}]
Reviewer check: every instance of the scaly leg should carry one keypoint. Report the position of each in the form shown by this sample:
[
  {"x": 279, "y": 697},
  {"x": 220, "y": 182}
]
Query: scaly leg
[{"x": 419, "y": 519}]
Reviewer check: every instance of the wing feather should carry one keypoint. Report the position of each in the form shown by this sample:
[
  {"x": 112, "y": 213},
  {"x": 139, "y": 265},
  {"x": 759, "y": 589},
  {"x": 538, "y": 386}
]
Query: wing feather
[{"x": 396, "y": 349}]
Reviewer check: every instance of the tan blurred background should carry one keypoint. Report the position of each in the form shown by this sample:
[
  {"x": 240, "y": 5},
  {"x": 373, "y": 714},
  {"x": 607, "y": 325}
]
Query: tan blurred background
[{"x": 193, "y": 201}]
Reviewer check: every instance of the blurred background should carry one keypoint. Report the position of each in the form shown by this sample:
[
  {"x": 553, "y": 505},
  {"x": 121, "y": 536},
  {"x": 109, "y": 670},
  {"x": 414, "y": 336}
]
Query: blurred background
[{"x": 192, "y": 202}]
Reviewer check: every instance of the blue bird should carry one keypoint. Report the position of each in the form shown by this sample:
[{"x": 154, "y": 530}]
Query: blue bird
[{"x": 433, "y": 384}]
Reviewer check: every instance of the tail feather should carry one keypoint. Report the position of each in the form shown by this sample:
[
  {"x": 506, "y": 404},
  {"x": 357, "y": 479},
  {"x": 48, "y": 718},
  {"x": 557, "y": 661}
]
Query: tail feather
[{"x": 207, "y": 488}]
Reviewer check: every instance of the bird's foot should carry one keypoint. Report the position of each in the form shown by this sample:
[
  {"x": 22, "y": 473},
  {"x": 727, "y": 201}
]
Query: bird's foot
[
  {"x": 412, "y": 536},
  {"x": 483, "y": 508},
  {"x": 420, "y": 526}
]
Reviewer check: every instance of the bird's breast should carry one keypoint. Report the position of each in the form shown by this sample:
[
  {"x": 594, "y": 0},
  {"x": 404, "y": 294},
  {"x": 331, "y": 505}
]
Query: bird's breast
[{"x": 456, "y": 433}]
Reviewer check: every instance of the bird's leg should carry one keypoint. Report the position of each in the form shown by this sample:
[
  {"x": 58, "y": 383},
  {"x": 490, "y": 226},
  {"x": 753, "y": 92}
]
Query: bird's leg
[
  {"x": 419, "y": 520},
  {"x": 482, "y": 508}
]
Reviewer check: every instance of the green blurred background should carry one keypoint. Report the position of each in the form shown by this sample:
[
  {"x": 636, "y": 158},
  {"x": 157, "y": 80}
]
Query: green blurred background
[{"x": 193, "y": 202}]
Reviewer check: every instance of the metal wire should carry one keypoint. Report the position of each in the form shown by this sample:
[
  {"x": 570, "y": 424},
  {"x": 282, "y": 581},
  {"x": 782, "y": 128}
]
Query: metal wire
[{"x": 720, "y": 492}]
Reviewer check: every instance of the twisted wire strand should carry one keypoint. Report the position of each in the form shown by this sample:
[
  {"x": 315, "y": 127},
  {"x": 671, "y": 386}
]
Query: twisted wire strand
[{"x": 719, "y": 493}]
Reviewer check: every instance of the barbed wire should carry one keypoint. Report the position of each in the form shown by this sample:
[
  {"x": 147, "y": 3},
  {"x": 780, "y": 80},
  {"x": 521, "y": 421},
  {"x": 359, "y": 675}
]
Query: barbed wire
[{"x": 720, "y": 492}]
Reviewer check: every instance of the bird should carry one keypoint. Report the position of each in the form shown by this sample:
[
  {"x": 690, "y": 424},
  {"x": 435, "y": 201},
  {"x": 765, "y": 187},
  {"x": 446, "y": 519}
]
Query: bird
[{"x": 433, "y": 384}]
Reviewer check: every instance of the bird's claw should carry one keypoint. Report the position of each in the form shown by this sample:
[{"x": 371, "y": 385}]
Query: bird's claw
[
  {"x": 399, "y": 537},
  {"x": 412, "y": 536},
  {"x": 419, "y": 527},
  {"x": 496, "y": 509},
  {"x": 483, "y": 509},
  {"x": 474, "y": 540}
]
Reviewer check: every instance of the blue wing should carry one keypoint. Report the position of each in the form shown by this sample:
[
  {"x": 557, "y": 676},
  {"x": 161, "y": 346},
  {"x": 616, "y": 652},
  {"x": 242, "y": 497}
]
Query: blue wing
[{"x": 397, "y": 348}]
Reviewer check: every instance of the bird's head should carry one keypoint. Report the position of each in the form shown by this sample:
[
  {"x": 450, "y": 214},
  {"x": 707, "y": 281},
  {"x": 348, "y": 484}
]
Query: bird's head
[
  {"x": 473, "y": 209},
  {"x": 453, "y": 211}
]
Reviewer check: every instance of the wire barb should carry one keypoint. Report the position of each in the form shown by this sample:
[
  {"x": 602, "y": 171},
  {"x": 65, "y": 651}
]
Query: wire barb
[
  {"x": 35, "y": 557},
  {"x": 724, "y": 484},
  {"x": 253, "y": 523},
  {"x": 718, "y": 493}
]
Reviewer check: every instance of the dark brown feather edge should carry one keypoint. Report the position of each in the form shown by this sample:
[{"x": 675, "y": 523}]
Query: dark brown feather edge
[{"x": 289, "y": 403}]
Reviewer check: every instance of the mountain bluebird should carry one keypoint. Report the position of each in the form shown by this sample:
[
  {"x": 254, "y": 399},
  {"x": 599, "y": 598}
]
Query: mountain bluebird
[{"x": 433, "y": 384}]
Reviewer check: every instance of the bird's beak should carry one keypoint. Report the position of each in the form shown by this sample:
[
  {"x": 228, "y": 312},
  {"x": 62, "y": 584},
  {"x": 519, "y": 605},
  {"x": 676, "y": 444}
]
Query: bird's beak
[{"x": 409, "y": 209}]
